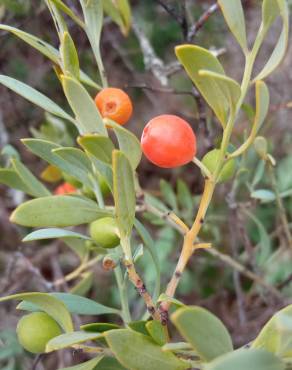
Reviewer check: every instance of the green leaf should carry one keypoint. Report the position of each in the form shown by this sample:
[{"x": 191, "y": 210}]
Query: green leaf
[
  {"x": 274, "y": 334},
  {"x": 265, "y": 249},
  {"x": 264, "y": 195},
  {"x": 230, "y": 89},
  {"x": 262, "y": 104},
  {"x": 46, "y": 49},
  {"x": 262, "y": 109},
  {"x": 109, "y": 363},
  {"x": 165, "y": 298},
  {"x": 77, "y": 160},
  {"x": 61, "y": 6},
  {"x": 138, "y": 352},
  {"x": 204, "y": 331},
  {"x": 157, "y": 332},
  {"x": 69, "y": 339},
  {"x": 281, "y": 46},
  {"x": 270, "y": 11},
  {"x": 244, "y": 359},
  {"x": 99, "y": 327},
  {"x": 124, "y": 192},
  {"x": 125, "y": 10},
  {"x": 60, "y": 24},
  {"x": 139, "y": 326},
  {"x": 86, "y": 112},
  {"x": 53, "y": 233},
  {"x": 99, "y": 146},
  {"x": 88, "y": 365},
  {"x": 45, "y": 150},
  {"x": 128, "y": 143},
  {"x": 69, "y": 56},
  {"x": 234, "y": 17},
  {"x": 149, "y": 245},
  {"x": 11, "y": 179},
  {"x": 93, "y": 16},
  {"x": 34, "y": 97},
  {"x": 194, "y": 58},
  {"x": 168, "y": 194},
  {"x": 36, "y": 188},
  {"x": 76, "y": 305},
  {"x": 49, "y": 304},
  {"x": 185, "y": 198},
  {"x": 58, "y": 211}
]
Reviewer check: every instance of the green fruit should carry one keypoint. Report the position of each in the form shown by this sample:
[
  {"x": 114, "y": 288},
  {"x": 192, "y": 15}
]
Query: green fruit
[
  {"x": 35, "y": 330},
  {"x": 210, "y": 161},
  {"x": 105, "y": 232}
]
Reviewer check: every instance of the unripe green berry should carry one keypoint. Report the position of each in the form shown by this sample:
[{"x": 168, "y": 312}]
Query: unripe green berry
[
  {"x": 210, "y": 160},
  {"x": 105, "y": 232},
  {"x": 35, "y": 330}
]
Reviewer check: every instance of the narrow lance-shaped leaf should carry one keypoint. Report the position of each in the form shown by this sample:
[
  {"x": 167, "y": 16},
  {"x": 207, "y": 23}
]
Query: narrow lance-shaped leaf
[
  {"x": 37, "y": 189},
  {"x": 62, "y": 6},
  {"x": 93, "y": 16},
  {"x": 124, "y": 192},
  {"x": 58, "y": 211},
  {"x": 137, "y": 351},
  {"x": 49, "y": 304},
  {"x": 79, "y": 162},
  {"x": 69, "y": 56},
  {"x": 194, "y": 58},
  {"x": 35, "y": 97},
  {"x": 10, "y": 178},
  {"x": 86, "y": 112},
  {"x": 53, "y": 233},
  {"x": 46, "y": 49},
  {"x": 204, "y": 331},
  {"x": 271, "y": 336},
  {"x": 125, "y": 10},
  {"x": 244, "y": 359},
  {"x": 74, "y": 304},
  {"x": 149, "y": 244},
  {"x": 128, "y": 143},
  {"x": 45, "y": 150},
  {"x": 281, "y": 46},
  {"x": 234, "y": 17},
  {"x": 229, "y": 87},
  {"x": 59, "y": 21},
  {"x": 270, "y": 11},
  {"x": 69, "y": 339},
  {"x": 99, "y": 146},
  {"x": 262, "y": 108}
]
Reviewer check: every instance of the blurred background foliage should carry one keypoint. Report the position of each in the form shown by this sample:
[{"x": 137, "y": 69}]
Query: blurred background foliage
[{"x": 248, "y": 218}]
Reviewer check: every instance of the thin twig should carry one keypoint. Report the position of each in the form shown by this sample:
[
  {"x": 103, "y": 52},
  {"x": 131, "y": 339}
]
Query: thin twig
[
  {"x": 151, "y": 60},
  {"x": 221, "y": 256},
  {"x": 201, "y": 21}
]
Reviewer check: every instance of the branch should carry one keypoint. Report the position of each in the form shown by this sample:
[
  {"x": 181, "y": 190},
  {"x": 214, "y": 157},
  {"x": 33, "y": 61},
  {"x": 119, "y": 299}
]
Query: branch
[
  {"x": 201, "y": 21},
  {"x": 151, "y": 60}
]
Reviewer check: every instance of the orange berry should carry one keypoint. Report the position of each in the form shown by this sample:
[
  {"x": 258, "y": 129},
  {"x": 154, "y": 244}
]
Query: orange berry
[
  {"x": 65, "y": 188},
  {"x": 168, "y": 141},
  {"x": 114, "y": 104}
]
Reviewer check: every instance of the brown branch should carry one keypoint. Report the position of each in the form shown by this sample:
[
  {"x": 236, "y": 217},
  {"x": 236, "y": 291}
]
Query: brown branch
[
  {"x": 141, "y": 289},
  {"x": 201, "y": 21}
]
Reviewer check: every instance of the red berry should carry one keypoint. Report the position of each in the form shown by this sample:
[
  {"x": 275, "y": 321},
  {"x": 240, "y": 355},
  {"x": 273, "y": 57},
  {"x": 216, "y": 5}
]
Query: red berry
[
  {"x": 115, "y": 104},
  {"x": 168, "y": 141},
  {"x": 65, "y": 188}
]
